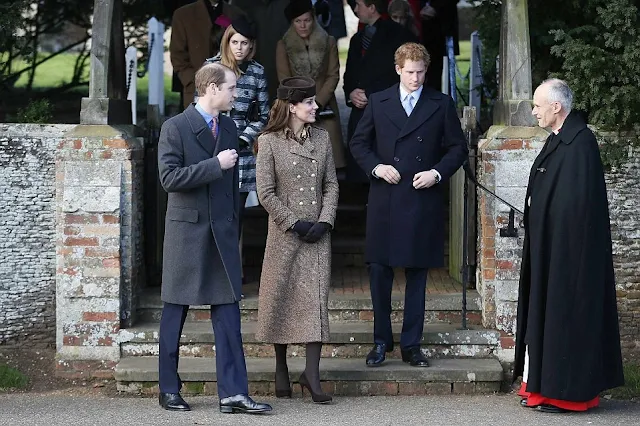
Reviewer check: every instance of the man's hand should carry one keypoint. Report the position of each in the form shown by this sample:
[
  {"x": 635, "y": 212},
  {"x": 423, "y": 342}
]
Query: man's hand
[
  {"x": 227, "y": 158},
  {"x": 424, "y": 179},
  {"x": 358, "y": 98},
  {"x": 388, "y": 173}
]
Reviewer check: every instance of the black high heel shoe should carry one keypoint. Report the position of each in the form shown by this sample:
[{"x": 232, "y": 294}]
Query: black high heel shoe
[{"x": 318, "y": 398}]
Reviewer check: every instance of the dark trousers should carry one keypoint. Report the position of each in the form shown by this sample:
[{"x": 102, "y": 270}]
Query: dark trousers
[
  {"x": 231, "y": 370},
  {"x": 381, "y": 281}
]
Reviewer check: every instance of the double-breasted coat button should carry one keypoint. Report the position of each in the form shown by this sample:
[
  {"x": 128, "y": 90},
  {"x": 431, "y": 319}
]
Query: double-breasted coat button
[
  {"x": 396, "y": 159},
  {"x": 419, "y": 138},
  {"x": 228, "y": 195},
  {"x": 229, "y": 219},
  {"x": 418, "y": 158}
]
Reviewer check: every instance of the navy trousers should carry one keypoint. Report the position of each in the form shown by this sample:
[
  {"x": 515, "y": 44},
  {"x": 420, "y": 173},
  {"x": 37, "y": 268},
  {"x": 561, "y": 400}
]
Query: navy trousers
[
  {"x": 231, "y": 370},
  {"x": 381, "y": 282}
]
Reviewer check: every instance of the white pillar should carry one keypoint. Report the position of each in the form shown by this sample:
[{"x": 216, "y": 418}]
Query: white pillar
[
  {"x": 131, "y": 59},
  {"x": 156, "y": 64}
]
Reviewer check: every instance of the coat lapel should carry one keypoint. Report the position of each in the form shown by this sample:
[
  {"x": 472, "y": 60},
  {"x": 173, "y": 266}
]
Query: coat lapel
[
  {"x": 308, "y": 149},
  {"x": 421, "y": 112},
  {"x": 200, "y": 128},
  {"x": 393, "y": 108}
]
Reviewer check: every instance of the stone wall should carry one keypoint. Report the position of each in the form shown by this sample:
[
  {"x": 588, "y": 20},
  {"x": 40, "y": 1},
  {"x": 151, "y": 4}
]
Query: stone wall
[
  {"x": 623, "y": 188},
  {"x": 506, "y": 156},
  {"x": 27, "y": 245},
  {"x": 99, "y": 173}
]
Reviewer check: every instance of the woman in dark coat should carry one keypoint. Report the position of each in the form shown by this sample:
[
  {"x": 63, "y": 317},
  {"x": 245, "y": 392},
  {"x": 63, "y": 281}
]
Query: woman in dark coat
[{"x": 297, "y": 186}]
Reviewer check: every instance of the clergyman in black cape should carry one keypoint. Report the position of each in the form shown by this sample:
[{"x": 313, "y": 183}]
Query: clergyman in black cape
[{"x": 567, "y": 339}]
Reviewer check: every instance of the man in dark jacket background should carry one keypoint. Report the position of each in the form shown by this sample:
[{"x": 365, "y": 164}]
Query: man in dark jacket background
[{"x": 567, "y": 339}]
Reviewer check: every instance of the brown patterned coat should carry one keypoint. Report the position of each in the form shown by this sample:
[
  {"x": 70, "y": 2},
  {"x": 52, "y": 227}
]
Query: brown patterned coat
[
  {"x": 295, "y": 182},
  {"x": 319, "y": 61}
]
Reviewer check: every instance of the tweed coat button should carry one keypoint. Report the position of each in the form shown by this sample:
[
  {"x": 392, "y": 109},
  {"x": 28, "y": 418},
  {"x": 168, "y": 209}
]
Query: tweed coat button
[
  {"x": 301, "y": 203},
  {"x": 313, "y": 175},
  {"x": 312, "y": 188},
  {"x": 314, "y": 161},
  {"x": 294, "y": 163},
  {"x": 298, "y": 177},
  {"x": 313, "y": 202},
  {"x": 301, "y": 189}
]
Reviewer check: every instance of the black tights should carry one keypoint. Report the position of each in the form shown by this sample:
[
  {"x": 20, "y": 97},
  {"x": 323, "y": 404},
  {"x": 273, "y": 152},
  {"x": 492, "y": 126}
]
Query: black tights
[{"x": 312, "y": 366}]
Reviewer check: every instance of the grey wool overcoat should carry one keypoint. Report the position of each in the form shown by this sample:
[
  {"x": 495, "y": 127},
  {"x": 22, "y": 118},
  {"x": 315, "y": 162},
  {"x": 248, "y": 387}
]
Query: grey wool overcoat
[
  {"x": 295, "y": 182},
  {"x": 201, "y": 263}
]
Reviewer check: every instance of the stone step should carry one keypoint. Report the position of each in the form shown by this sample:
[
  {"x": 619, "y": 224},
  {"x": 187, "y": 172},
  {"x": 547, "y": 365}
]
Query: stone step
[
  {"x": 339, "y": 376},
  {"x": 439, "y": 308},
  {"x": 347, "y": 340}
]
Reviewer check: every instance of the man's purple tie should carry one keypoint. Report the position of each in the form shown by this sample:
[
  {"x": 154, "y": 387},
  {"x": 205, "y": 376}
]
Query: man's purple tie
[{"x": 214, "y": 127}]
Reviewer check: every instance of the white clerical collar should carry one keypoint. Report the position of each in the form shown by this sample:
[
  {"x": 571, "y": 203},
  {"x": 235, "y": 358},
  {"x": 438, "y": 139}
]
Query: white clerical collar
[{"x": 416, "y": 94}]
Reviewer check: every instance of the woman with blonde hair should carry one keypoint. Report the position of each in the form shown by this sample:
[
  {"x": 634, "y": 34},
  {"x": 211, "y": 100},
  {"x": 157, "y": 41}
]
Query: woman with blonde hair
[
  {"x": 251, "y": 108},
  {"x": 307, "y": 50},
  {"x": 297, "y": 186}
]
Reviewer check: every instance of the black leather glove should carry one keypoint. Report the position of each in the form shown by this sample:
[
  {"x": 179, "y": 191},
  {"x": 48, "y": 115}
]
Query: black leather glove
[
  {"x": 301, "y": 228},
  {"x": 316, "y": 232}
]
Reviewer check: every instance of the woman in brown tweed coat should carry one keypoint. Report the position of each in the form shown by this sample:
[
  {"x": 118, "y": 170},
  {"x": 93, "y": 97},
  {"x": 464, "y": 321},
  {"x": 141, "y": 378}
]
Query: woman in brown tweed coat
[{"x": 297, "y": 185}]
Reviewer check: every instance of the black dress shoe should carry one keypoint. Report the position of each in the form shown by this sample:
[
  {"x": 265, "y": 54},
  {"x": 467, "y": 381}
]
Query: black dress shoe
[
  {"x": 173, "y": 402},
  {"x": 242, "y": 404},
  {"x": 377, "y": 355},
  {"x": 524, "y": 401},
  {"x": 546, "y": 408},
  {"x": 414, "y": 357}
]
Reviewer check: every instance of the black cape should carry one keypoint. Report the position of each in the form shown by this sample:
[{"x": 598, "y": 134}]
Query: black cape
[{"x": 567, "y": 313}]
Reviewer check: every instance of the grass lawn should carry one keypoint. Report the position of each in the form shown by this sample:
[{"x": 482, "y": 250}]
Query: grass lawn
[
  {"x": 58, "y": 71},
  {"x": 10, "y": 378},
  {"x": 631, "y": 388}
]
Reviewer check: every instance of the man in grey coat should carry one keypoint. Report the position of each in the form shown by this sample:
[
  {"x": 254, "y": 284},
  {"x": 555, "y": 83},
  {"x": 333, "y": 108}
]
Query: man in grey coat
[{"x": 197, "y": 162}]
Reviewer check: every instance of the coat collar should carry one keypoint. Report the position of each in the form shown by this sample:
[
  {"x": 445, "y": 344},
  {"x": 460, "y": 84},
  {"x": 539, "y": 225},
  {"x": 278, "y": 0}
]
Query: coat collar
[
  {"x": 308, "y": 149},
  {"x": 306, "y": 60},
  {"x": 203, "y": 133},
  {"x": 425, "y": 108},
  {"x": 571, "y": 127}
]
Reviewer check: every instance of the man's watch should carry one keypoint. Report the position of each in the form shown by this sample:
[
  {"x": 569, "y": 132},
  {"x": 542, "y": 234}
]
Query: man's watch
[{"x": 437, "y": 175}]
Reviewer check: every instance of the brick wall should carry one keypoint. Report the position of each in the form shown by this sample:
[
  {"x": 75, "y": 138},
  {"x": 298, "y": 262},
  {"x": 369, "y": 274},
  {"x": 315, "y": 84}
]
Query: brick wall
[
  {"x": 27, "y": 245},
  {"x": 505, "y": 160},
  {"x": 98, "y": 245}
]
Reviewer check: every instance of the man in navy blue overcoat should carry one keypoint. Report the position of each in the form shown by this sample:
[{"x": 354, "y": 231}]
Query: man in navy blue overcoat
[{"x": 408, "y": 142}]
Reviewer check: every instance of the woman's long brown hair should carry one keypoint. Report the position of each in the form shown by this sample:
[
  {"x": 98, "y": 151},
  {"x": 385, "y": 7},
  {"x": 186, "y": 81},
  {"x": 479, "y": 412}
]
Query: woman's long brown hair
[
  {"x": 278, "y": 120},
  {"x": 226, "y": 57}
]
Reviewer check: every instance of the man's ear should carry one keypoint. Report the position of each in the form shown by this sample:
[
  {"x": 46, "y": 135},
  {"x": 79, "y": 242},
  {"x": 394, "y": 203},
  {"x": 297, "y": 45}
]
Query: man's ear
[{"x": 398, "y": 70}]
